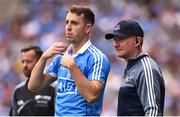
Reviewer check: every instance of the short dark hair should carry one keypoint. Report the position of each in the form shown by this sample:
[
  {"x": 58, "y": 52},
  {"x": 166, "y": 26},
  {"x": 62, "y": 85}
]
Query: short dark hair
[
  {"x": 87, "y": 12},
  {"x": 37, "y": 50}
]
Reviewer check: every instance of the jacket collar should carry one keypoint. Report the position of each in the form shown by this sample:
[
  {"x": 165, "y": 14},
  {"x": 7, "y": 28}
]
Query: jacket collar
[
  {"x": 141, "y": 55},
  {"x": 131, "y": 62}
]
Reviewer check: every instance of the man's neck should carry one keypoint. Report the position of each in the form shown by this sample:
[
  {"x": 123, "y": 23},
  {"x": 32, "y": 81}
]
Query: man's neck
[
  {"x": 77, "y": 46},
  {"x": 133, "y": 56}
]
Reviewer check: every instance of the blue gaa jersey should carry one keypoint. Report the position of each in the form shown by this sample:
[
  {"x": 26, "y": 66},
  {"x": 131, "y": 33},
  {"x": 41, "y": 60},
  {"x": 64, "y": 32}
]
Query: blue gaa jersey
[{"x": 95, "y": 66}]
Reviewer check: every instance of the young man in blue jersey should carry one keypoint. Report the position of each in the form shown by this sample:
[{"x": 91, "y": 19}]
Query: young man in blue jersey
[
  {"x": 81, "y": 69},
  {"x": 142, "y": 91}
]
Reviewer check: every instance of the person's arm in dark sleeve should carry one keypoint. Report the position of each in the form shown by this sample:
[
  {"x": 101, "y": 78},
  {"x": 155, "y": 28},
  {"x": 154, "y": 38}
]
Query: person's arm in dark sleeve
[
  {"x": 13, "y": 106},
  {"x": 149, "y": 92}
]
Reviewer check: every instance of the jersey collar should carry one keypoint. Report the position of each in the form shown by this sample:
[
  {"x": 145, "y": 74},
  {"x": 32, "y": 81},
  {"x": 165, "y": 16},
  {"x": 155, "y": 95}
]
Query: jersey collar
[{"x": 80, "y": 51}]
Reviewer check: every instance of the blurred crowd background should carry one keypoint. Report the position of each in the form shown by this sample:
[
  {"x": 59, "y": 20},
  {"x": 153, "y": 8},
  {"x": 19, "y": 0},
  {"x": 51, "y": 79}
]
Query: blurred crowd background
[{"x": 41, "y": 22}]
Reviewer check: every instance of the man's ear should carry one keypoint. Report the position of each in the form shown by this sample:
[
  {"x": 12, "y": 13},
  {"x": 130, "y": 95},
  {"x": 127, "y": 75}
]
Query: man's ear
[
  {"x": 138, "y": 41},
  {"x": 88, "y": 28}
]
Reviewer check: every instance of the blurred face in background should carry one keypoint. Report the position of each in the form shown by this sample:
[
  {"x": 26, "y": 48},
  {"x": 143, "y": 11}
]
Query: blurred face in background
[
  {"x": 28, "y": 60},
  {"x": 76, "y": 28}
]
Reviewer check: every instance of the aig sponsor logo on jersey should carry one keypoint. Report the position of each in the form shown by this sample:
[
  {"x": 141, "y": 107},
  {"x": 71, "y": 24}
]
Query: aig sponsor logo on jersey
[{"x": 66, "y": 86}]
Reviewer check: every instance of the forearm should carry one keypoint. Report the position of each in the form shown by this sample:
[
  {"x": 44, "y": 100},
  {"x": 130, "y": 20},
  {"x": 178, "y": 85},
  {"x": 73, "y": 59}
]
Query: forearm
[
  {"x": 13, "y": 108},
  {"x": 36, "y": 79},
  {"x": 88, "y": 89}
]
